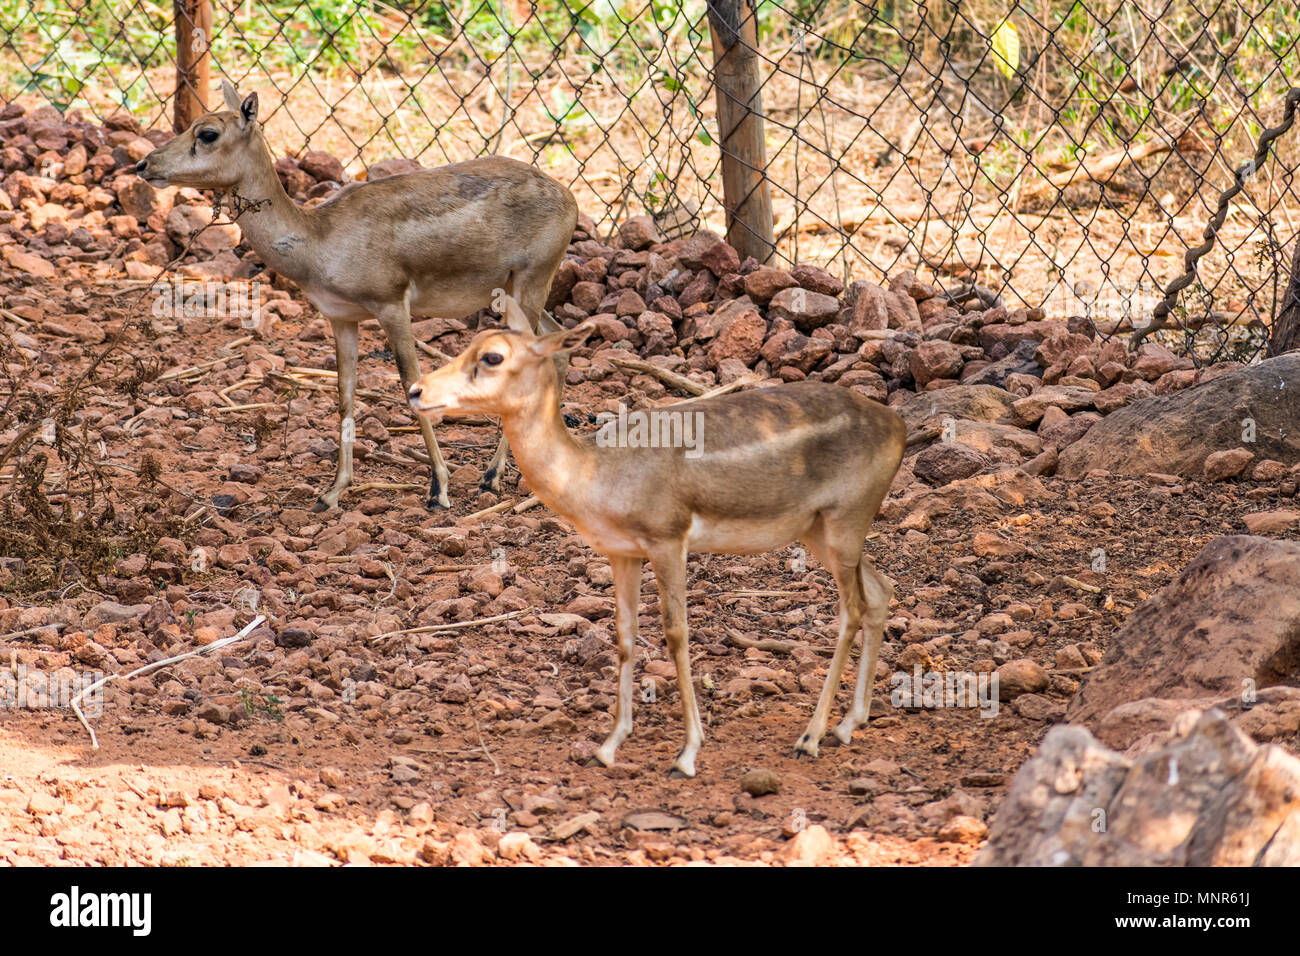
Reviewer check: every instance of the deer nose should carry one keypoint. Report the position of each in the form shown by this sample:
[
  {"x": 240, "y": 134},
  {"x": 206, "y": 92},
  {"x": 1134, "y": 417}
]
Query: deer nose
[
  {"x": 140, "y": 167},
  {"x": 414, "y": 393}
]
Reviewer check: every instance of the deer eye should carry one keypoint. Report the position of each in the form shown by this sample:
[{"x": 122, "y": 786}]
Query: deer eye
[
  {"x": 208, "y": 135},
  {"x": 493, "y": 358}
]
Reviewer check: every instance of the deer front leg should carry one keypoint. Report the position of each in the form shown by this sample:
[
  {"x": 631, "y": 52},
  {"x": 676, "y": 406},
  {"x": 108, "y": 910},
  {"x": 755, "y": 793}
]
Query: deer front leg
[
  {"x": 627, "y": 597},
  {"x": 345, "y": 355},
  {"x": 670, "y": 571},
  {"x": 396, "y": 323}
]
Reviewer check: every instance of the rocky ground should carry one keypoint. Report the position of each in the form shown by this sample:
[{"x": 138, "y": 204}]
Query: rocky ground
[{"x": 158, "y": 469}]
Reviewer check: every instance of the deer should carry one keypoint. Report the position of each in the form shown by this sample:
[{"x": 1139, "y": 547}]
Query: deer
[
  {"x": 808, "y": 462},
  {"x": 446, "y": 241}
]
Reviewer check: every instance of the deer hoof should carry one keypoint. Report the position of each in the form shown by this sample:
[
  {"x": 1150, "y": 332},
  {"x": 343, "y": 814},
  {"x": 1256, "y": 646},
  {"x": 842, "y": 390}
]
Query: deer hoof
[{"x": 806, "y": 747}]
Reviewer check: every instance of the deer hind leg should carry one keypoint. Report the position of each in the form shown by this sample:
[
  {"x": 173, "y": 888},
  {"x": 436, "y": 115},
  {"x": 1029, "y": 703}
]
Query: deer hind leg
[
  {"x": 670, "y": 571},
  {"x": 531, "y": 296},
  {"x": 396, "y": 323},
  {"x": 345, "y": 354},
  {"x": 842, "y": 559},
  {"x": 877, "y": 590},
  {"x": 627, "y": 596}
]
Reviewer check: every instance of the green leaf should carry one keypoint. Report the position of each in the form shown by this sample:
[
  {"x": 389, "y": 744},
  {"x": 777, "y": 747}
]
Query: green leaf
[{"x": 1006, "y": 49}]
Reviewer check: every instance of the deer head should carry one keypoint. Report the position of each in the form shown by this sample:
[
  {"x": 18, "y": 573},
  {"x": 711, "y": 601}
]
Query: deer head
[{"x": 216, "y": 152}]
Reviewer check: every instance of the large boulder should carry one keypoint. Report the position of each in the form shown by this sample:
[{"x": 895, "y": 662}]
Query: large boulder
[
  {"x": 1210, "y": 797},
  {"x": 1231, "y": 617},
  {"x": 1142, "y": 725},
  {"x": 1255, "y": 407},
  {"x": 977, "y": 403}
]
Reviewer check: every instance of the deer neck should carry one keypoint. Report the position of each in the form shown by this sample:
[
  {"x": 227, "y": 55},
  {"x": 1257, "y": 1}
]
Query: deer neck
[
  {"x": 277, "y": 228},
  {"x": 560, "y": 469}
]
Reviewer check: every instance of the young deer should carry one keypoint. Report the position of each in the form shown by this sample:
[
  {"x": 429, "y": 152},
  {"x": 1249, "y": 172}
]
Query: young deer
[
  {"x": 808, "y": 462},
  {"x": 446, "y": 241}
]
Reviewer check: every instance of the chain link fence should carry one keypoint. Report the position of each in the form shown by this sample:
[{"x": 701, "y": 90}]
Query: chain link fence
[{"x": 1059, "y": 154}]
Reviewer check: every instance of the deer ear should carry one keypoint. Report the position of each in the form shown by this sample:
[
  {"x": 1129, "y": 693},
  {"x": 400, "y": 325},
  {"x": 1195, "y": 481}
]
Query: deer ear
[
  {"x": 248, "y": 110},
  {"x": 514, "y": 315},
  {"x": 230, "y": 95},
  {"x": 563, "y": 340}
]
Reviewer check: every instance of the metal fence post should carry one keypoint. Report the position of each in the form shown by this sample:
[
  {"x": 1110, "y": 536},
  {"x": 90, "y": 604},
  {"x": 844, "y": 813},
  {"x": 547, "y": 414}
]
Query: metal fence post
[
  {"x": 193, "y": 19},
  {"x": 733, "y": 25}
]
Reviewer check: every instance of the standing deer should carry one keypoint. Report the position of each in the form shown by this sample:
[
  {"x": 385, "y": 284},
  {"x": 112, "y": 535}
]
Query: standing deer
[
  {"x": 808, "y": 462},
  {"x": 446, "y": 241}
]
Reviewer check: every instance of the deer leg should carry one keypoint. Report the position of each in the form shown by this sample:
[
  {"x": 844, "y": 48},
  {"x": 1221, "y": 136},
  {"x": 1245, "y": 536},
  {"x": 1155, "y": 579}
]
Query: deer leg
[
  {"x": 670, "y": 571},
  {"x": 877, "y": 590},
  {"x": 844, "y": 567},
  {"x": 627, "y": 595},
  {"x": 396, "y": 323},
  {"x": 345, "y": 354}
]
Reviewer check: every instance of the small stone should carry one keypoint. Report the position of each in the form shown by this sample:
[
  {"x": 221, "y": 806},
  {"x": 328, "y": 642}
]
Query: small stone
[
  {"x": 39, "y": 804},
  {"x": 576, "y": 825},
  {"x": 1222, "y": 465},
  {"x": 810, "y": 847},
  {"x": 760, "y": 782},
  {"x": 1271, "y": 522},
  {"x": 322, "y": 166},
  {"x": 962, "y": 829},
  {"x": 467, "y": 850},
  {"x": 517, "y": 847},
  {"x": 984, "y": 778},
  {"x": 332, "y": 777},
  {"x": 1018, "y": 677},
  {"x": 765, "y": 282},
  {"x": 402, "y": 773},
  {"x": 639, "y": 232},
  {"x": 214, "y": 713},
  {"x": 945, "y": 462},
  {"x": 1038, "y": 707}
]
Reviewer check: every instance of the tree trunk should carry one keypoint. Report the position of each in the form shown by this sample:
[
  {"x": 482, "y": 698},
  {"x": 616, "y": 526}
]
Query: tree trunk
[
  {"x": 1285, "y": 334},
  {"x": 193, "y": 20},
  {"x": 738, "y": 81}
]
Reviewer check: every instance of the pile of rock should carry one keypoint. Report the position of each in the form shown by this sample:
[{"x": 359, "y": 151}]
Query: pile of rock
[{"x": 990, "y": 386}]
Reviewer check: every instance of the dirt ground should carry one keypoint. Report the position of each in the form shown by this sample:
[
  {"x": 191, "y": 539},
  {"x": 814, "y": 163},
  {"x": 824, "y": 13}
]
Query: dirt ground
[{"x": 325, "y": 738}]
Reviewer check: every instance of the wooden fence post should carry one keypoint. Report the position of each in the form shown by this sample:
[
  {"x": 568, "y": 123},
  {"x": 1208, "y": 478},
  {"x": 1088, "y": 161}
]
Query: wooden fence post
[
  {"x": 737, "y": 79},
  {"x": 1285, "y": 334},
  {"x": 193, "y": 20}
]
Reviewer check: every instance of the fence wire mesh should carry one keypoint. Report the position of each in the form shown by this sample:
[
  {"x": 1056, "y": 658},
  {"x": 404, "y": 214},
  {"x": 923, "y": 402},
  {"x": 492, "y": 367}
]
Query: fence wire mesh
[{"x": 1056, "y": 153}]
